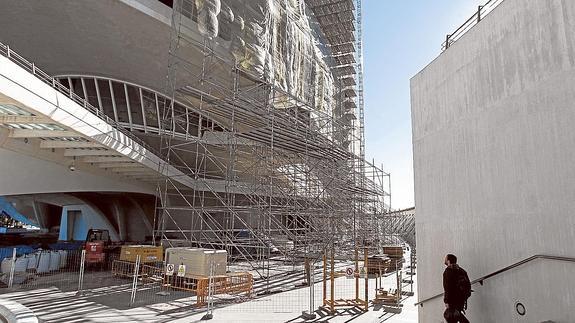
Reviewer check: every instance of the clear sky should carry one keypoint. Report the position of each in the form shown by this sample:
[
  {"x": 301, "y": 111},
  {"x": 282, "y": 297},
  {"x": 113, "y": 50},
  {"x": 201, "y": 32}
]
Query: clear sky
[{"x": 400, "y": 38}]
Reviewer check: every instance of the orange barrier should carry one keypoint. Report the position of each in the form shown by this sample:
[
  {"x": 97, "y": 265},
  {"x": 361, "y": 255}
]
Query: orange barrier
[{"x": 232, "y": 284}]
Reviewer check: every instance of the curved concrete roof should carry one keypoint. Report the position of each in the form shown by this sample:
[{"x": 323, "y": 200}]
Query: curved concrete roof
[{"x": 105, "y": 37}]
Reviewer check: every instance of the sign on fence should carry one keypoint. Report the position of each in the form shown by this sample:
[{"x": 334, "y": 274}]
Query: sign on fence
[
  {"x": 169, "y": 269},
  {"x": 182, "y": 271},
  {"x": 349, "y": 272}
]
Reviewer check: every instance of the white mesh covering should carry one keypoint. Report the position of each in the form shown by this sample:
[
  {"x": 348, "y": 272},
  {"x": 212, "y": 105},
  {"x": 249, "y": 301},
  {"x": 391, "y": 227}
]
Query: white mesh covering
[
  {"x": 274, "y": 40},
  {"x": 208, "y": 11}
]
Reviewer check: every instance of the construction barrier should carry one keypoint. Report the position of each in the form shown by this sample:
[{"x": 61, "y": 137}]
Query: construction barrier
[
  {"x": 231, "y": 284},
  {"x": 123, "y": 268}
]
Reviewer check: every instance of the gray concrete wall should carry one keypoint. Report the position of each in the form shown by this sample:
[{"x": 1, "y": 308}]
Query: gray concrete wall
[
  {"x": 23, "y": 174},
  {"x": 494, "y": 154}
]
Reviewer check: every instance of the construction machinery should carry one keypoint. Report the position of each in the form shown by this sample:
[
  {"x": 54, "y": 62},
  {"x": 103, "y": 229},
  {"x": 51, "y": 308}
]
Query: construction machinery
[{"x": 98, "y": 247}]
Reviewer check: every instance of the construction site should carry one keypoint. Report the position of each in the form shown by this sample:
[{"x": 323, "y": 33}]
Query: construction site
[
  {"x": 285, "y": 137},
  {"x": 261, "y": 186}
]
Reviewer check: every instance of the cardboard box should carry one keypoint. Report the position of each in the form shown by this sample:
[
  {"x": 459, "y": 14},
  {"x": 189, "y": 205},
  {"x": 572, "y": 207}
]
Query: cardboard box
[{"x": 146, "y": 253}]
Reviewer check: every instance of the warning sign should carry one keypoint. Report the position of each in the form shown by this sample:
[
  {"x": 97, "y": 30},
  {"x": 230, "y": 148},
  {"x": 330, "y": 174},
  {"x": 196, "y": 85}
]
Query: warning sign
[
  {"x": 170, "y": 269},
  {"x": 349, "y": 272},
  {"x": 182, "y": 271},
  {"x": 363, "y": 272}
]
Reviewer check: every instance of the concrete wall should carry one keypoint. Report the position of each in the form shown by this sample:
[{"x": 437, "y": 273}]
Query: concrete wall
[
  {"x": 23, "y": 174},
  {"x": 493, "y": 139},
  {"x": 127, "y": 216},
  {"x": 107, "y": 37},
  {"x": 87, "y": 217}
]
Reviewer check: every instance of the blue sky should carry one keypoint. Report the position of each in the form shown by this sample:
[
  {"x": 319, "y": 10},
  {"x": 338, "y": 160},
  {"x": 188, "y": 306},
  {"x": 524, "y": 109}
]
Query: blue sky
[{"x": 400, "y": 38}]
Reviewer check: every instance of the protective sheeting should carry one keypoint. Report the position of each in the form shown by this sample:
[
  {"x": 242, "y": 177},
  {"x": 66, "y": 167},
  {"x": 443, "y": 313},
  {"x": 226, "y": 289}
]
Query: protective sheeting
[
  {"x": 274, "y": 40},
  {"x": 208, "y": 11}
]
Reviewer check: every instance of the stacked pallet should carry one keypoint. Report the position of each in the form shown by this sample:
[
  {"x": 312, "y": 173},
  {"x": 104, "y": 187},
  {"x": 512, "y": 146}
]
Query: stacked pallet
[
  {"x": 395, "y": 254},
  {"x": 378, "y": 264}
]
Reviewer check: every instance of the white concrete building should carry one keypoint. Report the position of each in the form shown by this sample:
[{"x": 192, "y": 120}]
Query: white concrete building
[{"x": 493, "y": 138}]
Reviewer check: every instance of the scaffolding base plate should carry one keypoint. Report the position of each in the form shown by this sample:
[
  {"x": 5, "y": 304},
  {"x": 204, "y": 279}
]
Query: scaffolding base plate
[
  {"x": 308, "y": 316},
  {"x": 392, "y": 309},
  {"x": 207, "y": 317}
]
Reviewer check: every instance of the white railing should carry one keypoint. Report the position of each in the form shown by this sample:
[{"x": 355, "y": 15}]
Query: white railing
[{"x": 7, "y": 52}]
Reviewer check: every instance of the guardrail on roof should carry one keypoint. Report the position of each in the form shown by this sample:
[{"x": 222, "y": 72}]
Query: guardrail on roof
[{"x": 481, "y": 12}]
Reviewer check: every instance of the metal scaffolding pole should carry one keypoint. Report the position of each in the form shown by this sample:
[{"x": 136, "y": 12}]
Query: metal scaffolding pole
[{"x": 270, "y": 177}]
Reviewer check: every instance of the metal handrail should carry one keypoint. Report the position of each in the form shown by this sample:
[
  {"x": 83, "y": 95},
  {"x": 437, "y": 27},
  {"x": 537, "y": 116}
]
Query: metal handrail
[
  {"x": 7, "y": 52},
  {"x": 481, "y": 12},
  {"x": 515, "y": 265}
]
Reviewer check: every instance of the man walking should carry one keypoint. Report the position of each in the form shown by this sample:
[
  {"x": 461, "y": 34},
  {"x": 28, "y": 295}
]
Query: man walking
[{"x": 457, "y": 289}]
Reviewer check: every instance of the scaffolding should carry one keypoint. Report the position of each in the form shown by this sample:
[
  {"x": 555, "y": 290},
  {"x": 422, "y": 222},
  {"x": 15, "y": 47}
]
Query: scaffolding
[
  {"x": 399, "y": 227},
  {"x": 272, "y": 167}
]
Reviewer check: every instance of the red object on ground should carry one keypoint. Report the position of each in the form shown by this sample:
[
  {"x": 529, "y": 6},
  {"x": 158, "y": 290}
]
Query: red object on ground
[{"x": 95, "y": 252}]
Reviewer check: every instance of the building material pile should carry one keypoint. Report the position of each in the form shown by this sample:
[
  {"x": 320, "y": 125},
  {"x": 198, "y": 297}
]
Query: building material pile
[
  {"x": 147, "y": 253},
  {"x": 378, "y": 264},
  {"x": 395, "y": 254}
]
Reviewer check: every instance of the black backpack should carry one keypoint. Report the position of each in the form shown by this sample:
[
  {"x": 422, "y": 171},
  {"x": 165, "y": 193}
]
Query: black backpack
[{"x": 463, "y": 285}]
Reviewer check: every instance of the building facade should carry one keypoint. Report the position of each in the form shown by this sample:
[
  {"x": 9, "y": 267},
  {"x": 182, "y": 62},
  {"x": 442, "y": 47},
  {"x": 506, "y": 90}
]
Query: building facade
[{"x": 492, "y": 140}]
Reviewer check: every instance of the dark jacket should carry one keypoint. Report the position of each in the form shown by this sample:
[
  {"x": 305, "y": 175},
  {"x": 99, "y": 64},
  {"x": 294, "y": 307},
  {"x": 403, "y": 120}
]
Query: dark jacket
[{"x": 452, "y": 295}]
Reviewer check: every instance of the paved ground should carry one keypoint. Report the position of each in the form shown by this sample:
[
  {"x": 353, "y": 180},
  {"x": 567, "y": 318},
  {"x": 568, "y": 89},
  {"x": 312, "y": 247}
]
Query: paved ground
[
  {"x": 110, "y": 304},
  {"x": 280, "y": 308}
]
